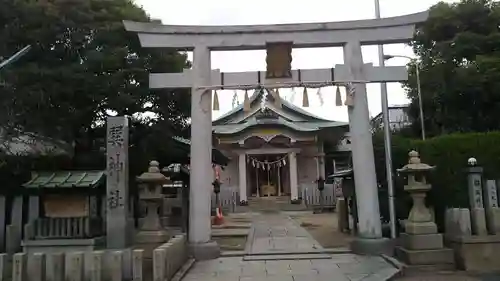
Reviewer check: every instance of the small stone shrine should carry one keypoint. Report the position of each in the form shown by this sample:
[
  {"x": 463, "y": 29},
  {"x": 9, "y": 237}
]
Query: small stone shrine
[
  {"x": 69, "y": 216},
  {"x": 474, "y": 232},
  {"x": 421, "y": 244},
  {"x": 151, "y": 233}
]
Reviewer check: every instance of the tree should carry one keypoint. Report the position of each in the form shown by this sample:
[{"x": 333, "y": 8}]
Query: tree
[
  {"x": 83, "y": 67},
  {"x": 458, "y": 51}
]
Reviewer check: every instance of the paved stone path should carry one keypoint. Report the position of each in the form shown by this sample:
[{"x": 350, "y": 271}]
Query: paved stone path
[
  {"x": 280, "y": 250},
  {"x": 279, "y": 233}
]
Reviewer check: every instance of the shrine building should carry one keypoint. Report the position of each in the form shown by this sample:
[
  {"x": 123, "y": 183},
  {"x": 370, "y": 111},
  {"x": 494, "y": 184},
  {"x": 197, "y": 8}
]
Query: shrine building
[{"x": 275, "y": 147}]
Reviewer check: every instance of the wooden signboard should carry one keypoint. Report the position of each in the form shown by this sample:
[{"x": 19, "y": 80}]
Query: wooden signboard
[
  {"x": 279, "y": 60},
  {"x": 64, "y": 206}
]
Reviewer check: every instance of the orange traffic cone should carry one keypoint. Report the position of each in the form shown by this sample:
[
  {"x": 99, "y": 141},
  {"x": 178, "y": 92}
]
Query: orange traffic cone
[{"x": 219, "y": 218}]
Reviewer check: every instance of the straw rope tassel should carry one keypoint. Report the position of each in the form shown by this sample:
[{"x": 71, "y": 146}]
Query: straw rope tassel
[
  {"x": 350, "y": 92},
  {"x": 277, "y": 99},
  {"x": 216, "y": 102},
  {"x": 338, "y": 97},
  {"x": 305, "y": 98},
  {"x": 246, "y": 102}
]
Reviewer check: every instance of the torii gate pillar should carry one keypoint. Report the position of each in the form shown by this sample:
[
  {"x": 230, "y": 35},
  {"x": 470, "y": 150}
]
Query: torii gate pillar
[
  {"x": 369, "y": 239},
  {"x": 201, "y": 159}
]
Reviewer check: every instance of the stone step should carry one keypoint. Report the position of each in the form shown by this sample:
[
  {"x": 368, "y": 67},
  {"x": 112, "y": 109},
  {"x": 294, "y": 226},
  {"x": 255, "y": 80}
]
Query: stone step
[{"x": 298, "y": 256}]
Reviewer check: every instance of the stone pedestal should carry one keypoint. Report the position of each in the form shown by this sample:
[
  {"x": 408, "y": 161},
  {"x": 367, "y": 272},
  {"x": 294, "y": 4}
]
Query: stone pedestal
[
  {"x": 205, "y": 251},
  {"x": 422, "y": 246},
  {"x": 476, "y": 253},
  {"x": 149, "y": 240}
]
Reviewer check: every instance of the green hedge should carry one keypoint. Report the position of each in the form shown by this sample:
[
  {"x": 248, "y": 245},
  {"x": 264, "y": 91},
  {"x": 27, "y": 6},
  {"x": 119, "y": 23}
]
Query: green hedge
[{"x": 449, "y": 153}]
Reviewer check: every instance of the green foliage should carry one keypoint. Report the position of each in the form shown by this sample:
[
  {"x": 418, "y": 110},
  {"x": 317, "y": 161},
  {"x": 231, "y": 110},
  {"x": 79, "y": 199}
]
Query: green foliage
[
  {"x": 449, "y": 153},
  {"x": 458, "y": 51},
  {"x": 16, "y": 170},
  {"x": 83, "y": 66}
]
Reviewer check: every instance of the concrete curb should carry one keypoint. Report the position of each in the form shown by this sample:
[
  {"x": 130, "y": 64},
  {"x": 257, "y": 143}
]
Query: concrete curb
[
  {"x": 249, "y": 243},
  {"x": 397, "y": 264},
  {"x": 183, "y": 270}
]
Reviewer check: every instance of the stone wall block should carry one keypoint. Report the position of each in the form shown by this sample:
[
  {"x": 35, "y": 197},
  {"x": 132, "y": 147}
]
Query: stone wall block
[
  {"x": 116, "y": 266},
  {"x": 158, "y": 264},
  {"x": 54, "y": 267},
  {"x": 74, "y": 266},
  {"x": 464, "y": 222},
  {"x": 36, "y": 267},
  {"x": 4, "y": 270},
  {"x": 19, "y": 264},
  {"x": 137, "y": 265},
  {"x": 478, "y": 221},
  {"x": 96, "y": 266},
  {"x": 448, "y": 221},
  {"x": 495, "y": 212}
]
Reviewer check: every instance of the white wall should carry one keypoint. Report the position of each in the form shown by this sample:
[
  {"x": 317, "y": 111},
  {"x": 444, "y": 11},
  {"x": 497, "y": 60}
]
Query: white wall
[
  {"x": 306, "y": 165},
  {"x": 229, "y": 176}
]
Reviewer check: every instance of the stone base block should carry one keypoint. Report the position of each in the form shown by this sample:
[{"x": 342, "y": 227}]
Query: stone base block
[
  {"x": 63, "y": 245},
  {"x": 149, "y": 240},
  {"x": 420, "y": 227},
  {"x": 425, "y": 257},
  {"x": 422, "y": 241},
  {"x": 476, "y": 253},
  {"x": 205, "y": 251},
  {"x": 478, "y": 221},
  {"x": 376, "y": 246},
  {"x": 495, "y": 213}
]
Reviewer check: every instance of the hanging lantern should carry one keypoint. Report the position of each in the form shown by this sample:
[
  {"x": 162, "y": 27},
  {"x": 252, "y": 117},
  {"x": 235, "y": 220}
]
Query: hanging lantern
[
  {"x": 305, "y": 98},
  {"x": 246, "y": 102},
  {"x": 216, "y": 101},
  {"x": 338, "y": 97},
  {"x": 320, "y": 97}
]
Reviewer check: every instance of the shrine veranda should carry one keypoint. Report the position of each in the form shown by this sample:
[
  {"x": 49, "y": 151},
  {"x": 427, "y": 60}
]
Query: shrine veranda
[{"x": 274, "y": 135}]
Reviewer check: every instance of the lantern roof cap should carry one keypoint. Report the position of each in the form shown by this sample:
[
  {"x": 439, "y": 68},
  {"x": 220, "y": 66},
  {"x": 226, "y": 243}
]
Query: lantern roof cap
[
  {"x": 153, "y": 175},
  {"x": 415, "y": 165}
]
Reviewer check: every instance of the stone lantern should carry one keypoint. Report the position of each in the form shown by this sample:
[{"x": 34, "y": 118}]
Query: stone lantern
[
  {"x": 349, "y": 193},
  {"x": 151, "y": 233},
  {"x": 420, "y": 217},
  {"x": 421, "y": 244},
  {"x": 150, "y": 194}
]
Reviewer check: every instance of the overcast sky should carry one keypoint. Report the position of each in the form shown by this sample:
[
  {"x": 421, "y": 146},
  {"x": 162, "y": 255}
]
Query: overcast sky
[{"x": 231, "y": 12}]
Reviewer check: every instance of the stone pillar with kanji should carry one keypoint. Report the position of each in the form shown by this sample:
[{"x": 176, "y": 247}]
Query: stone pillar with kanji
[
  {"x": 118, "y": 223},
  {"x": 475, "y": 186}
]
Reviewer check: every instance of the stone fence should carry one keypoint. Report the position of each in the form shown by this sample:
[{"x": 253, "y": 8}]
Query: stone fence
[
  {"x": 113, "y": 265},
  {"x": 312, "y": 196},
  {"x": 169, "y": 258},
  {"x": 229, "y": 197}
]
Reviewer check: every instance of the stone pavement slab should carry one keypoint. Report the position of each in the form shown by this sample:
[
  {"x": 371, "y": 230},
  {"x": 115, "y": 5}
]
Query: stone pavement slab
[
  {"x": 278, "y": 232},
  {"x": 341, "y": 267},
  {"x": 279, "y": 249}
]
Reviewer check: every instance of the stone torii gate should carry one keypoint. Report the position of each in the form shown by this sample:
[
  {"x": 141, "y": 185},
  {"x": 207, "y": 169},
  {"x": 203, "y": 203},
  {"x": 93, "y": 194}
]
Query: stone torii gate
[{"x": 350, "y": 35}]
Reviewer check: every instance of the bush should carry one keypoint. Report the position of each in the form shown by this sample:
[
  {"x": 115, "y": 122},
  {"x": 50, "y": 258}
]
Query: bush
[{"x": 449, "y": 153}]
